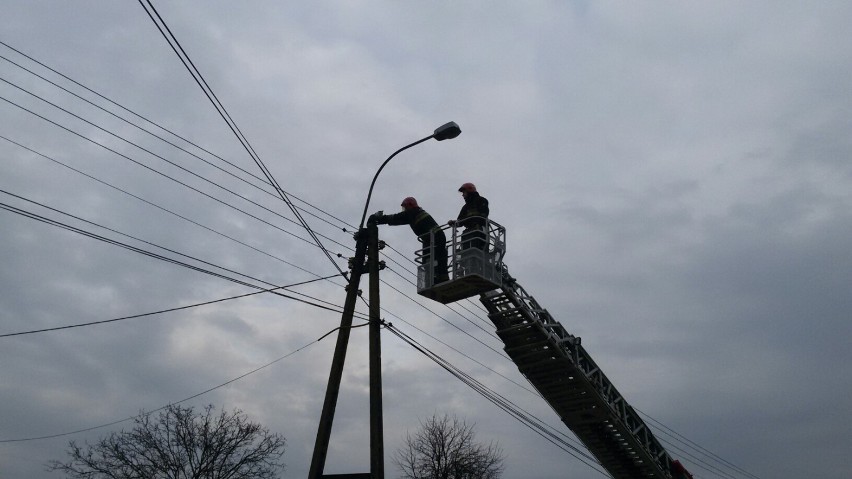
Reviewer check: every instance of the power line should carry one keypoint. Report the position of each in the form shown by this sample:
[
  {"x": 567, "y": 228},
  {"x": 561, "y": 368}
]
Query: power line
[
  {"x": 55, "y": 223},
  {"x": 134, "y": 145},
  {"x": 182, "y": 168},
  {"x": 153, "y": 204},
  {"x": 169, "y": 310},
  {"x": 695, "y": 446},
  {"x": 226, "y": 383},
  {"x": 497, "y": 401},
  {"x": 447, "y": 321},
  {"x": 468, "y": 300},
  {"x": 698, "y": 462},
  {"x": 466, "y": 356},
  {"x": 417, "y": 303},
  {"x": 220, "y": 108},
  {"x": 344, "y": 229},
  {"x": 133, "y": 237},
  {"x": 535, "y": 424},
  {"x": 160, "y": 173},
  {"x": 422, "y": 306},
  {"x": 163, "y": 129},
  {"x": 262, "y": 167},
  {"x": 89, "y": 234},
  {"x": 493, "y": 335},
  {"x": 431, "y": 311}
]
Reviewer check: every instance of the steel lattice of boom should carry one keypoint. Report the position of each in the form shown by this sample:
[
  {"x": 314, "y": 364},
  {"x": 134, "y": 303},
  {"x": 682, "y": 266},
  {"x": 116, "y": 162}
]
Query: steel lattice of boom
[{"x": 552, "y": 359}]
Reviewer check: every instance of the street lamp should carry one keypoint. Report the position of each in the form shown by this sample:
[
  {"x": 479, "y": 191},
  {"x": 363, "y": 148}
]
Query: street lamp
[
  {"x": 367, "y": 244},
  {"x": 447, "y": 131}
]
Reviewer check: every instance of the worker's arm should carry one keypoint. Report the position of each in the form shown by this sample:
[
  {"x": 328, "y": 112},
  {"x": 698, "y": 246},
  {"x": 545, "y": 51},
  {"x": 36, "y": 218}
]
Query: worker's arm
[{"x": 401, "y": 218}]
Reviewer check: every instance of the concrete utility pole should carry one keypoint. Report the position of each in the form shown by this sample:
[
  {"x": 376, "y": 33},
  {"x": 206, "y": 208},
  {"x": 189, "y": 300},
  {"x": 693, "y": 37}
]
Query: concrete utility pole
[
  {"x": 333, "y": 389},
  {"x": 366, "y": 244},
  {"x": 377, "y": 447}
]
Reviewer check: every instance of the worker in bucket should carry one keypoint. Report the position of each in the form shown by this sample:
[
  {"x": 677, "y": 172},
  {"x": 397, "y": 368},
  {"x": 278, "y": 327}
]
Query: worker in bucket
[
  {"x": 425, "y": 228},
  {"x": 473, "y": 217}
]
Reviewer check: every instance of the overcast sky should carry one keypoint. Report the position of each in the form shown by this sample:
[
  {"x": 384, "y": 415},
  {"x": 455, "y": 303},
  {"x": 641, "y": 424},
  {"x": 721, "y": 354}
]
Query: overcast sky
[{"x": 674, "y": 177}]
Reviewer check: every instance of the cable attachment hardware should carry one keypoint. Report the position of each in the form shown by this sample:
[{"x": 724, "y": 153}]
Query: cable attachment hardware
[
  {"x": 382, "y": 244},
  {"x": 349, "y": 287},
  {"x": 362, "y": 269},
  {"x": 382, "y": 265}
]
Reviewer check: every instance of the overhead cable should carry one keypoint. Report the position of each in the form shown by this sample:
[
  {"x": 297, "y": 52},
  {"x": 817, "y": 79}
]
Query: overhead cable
[
  {"x": 182, "y": 168},
  {"x": 465, "y": 355},
  {"x": 529, "y": 420},
  {"x": 159, "y": 172},
  {"x": 176, "y": 135},
  {"x": 500, "y": 353},
  {"x": 114, "y": 242},
  {"x": 486, "y": 331},
  {"x": 226, "y": 383},
  {"x": 162, "y": 208},
  {"x": 251, "y": 152},
  {"x": 164, "y": 139},
  {"x": 220, "y": 108},
  {"x": 694, "y": 446},
  {"x": 169, "y": 310}
]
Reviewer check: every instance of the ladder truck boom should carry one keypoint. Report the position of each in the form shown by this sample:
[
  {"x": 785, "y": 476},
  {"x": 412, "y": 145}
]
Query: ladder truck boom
[
  {"x": 553, "y": 360},
  {"x": 559, "y": 367}
]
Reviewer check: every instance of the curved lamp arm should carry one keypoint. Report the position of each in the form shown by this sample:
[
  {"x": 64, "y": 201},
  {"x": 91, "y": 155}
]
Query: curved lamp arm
[{"x": 446, "y": 131}]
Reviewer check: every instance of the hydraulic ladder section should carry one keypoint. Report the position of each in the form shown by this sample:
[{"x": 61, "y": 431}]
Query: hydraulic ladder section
[{"x": 569, "y": 380}]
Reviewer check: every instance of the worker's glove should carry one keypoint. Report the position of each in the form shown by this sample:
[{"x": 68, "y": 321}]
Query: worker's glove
[{"x": 377, "y": 218}]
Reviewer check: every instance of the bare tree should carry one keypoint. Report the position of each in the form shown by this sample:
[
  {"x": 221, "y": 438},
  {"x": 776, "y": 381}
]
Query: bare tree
[
  {"x": 180, "y": 443},
  {"x": 445, "y": 448}
]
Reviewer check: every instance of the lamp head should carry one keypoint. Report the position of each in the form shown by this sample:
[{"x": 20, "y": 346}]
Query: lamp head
[{"x": 447, "y": 131}]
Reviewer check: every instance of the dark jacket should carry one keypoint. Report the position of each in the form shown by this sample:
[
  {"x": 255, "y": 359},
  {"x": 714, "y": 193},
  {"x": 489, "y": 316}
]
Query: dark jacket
[
  {"x": 474, "y": 205},
  {"x": 420, "y": 221}
]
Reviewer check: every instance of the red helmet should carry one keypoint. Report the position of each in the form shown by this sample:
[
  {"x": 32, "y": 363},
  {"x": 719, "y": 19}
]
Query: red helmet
[
  {"x": 409, "y": 203},
  {"x": 468, "y": 187}
]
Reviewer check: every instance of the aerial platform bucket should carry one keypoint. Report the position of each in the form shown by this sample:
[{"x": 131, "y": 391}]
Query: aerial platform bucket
[{"x": 474, "y": 263}]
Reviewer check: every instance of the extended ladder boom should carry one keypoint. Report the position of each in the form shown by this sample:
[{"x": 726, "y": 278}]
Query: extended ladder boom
[
  {"x": 558, "y": 366},
  {"x": 552, "y": 359}
]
